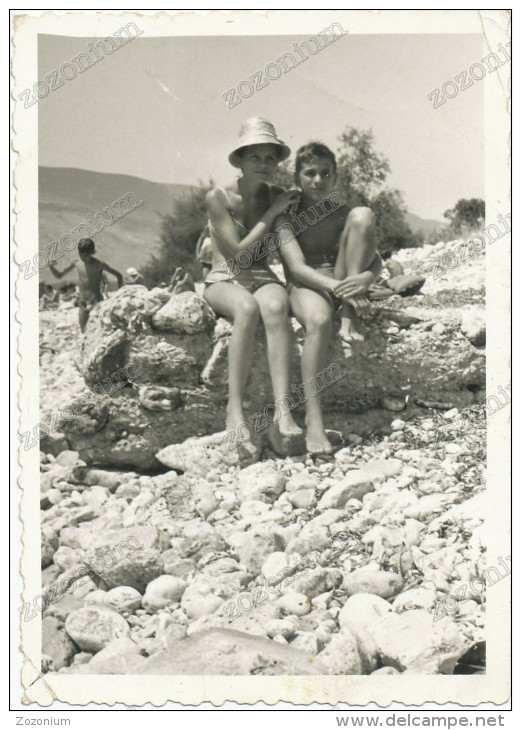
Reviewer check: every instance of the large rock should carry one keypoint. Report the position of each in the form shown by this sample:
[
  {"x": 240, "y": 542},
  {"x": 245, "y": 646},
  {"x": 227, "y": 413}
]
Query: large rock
[
  {"x": 260, "y": 482},
  {"x": 258, "y": 543},
  {"x": 118, "y": 657},
  {"x": 345, "y": 654},
  {"x": 473, "y": 326},
  {"x": 150, "y": 388},
  {"x": 228, "y": 652},
  {"x": 200, "y": 455},
  {"x": 56, "y": 644},
  {"x": 123, "y": 599},
  {"x": 382, "y": 583},
  {"x": 184, "y": 313},
  {"x": 363, "y": 611},
  {"x": 354, "y": 486},
  {"x": 163, "y": 591},
  {"x": 94, "y": 627},
  {"x": 136, "y": 570},
  {"x": 412, "y": 641}
]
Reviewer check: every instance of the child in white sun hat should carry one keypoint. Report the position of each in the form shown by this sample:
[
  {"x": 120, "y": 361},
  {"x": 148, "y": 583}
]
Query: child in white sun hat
[{"x": 240, "y": 284}]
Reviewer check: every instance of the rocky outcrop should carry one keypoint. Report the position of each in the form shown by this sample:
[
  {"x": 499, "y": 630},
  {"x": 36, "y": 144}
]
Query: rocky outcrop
[
  {"x": 156, "y": 369},
  {"x": 224, "y": 651}
]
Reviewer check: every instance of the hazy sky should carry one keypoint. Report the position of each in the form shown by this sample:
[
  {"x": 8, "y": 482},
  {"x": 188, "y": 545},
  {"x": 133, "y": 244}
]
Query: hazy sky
[{"x": 155, "y": 107}]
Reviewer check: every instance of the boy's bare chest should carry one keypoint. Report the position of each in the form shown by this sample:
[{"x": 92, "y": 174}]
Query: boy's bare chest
[{"x": 324, "y": 233}]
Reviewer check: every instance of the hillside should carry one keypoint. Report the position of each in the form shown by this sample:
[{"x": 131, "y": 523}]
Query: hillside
[
  {"x": 67, "y": 196},
  {"x": 423, "y": 224}
]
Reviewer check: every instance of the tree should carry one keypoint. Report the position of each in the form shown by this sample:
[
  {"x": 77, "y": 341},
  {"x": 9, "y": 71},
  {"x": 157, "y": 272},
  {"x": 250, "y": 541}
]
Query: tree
[
  {"x": 360, "y": 167},
  {"x": 466, "y": 216},
  {"x": 392, "y": 230},
  {"x": 179, "y": 233},
  {"x": 362, "y": 172}
]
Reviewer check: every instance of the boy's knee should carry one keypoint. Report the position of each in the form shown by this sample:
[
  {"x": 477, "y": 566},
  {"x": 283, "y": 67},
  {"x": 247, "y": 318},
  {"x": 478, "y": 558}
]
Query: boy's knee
[
  {"x": 248, "y": 310},
  {"x": 276, "y": 308},
  {"x": 361, "y": 217},
  {"x": 319, "y": 322}
]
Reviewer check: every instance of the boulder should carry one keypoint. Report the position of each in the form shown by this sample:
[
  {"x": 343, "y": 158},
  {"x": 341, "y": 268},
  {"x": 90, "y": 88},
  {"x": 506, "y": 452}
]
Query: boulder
[
  {"x": 229, "y": 652},
  {"x": 382, "y": 583},
  {"x": 56, "y": 644},
  {"x": 184, "y": 313},
  {"x": 257, "y": 545},
  {"x": 118, "y": 657},
  {"x": 473, "y": 326},
  {"x": 49, "y": 545},
  {"x": 364, "y": 611},
  {"x": 343, "y": 655},
  {"x": 163, "y": 591},
  {"x": 422, "y": 597},
  {"x": 94, "y": 627},
  {"x": 123, "y": 599},
  {"x": 294, "y": 604},
  {"x": 198, "y": 456},
  {"x": 312, "y": 583},
  {"x": 260, "y": 482},
  {"x": 412, "y": 641},
  {"x": 136, "y": 570},
  {"x": 354, "y": 486}
]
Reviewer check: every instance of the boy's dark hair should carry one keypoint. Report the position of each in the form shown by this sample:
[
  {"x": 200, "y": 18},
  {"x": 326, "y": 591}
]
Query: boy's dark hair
[
  {"x": 86, "y": 245},
  {"x": 309, "y": 150}
]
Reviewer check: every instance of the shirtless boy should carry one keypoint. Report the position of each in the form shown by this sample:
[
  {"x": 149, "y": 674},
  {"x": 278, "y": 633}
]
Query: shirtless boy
[
  {"x": 90, "y": 271},
  {"x": 329, "y": 265}
]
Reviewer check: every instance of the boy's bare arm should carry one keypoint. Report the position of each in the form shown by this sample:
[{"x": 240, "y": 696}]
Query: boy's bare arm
[
  {"x": 59, "y": 274},
  {"x": 358, "y": 284},
  {"x": 296, "y": 262},
  {"x": 112, "y": 271},
  {"x": 226, "y": 229}
]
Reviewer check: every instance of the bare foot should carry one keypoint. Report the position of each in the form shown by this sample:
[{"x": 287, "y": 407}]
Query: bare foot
[
  {"x": 316, "y": 440},
  {"x": 349, "y": 331},
  {"x": 236, "y": 423},
  {"x": 288, "y": 427}
]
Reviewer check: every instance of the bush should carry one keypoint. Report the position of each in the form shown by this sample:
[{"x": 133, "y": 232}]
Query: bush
[
  {"x": 362, "y": 173},
  {"x": 179, "y": 233}
]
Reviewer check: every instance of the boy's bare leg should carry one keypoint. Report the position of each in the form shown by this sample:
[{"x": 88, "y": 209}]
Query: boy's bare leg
[
  {"x": 274, "y": 306},
  {"x": 356, "y": 254},
  {"x": 241, "y": 307},
  {"x": 83, "y": 316},
  {"x": 316, "y": 316}
]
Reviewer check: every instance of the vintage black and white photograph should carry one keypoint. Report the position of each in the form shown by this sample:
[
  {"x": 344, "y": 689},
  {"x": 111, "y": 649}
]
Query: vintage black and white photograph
[{"x": 257, "y": 259}]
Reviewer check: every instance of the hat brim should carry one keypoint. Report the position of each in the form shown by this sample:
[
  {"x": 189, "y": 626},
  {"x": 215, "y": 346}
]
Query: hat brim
[{"x": 283, "y": 150}]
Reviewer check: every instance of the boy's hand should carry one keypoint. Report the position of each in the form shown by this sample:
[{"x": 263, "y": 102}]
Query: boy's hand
[{"x": 354, "y": 286}]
